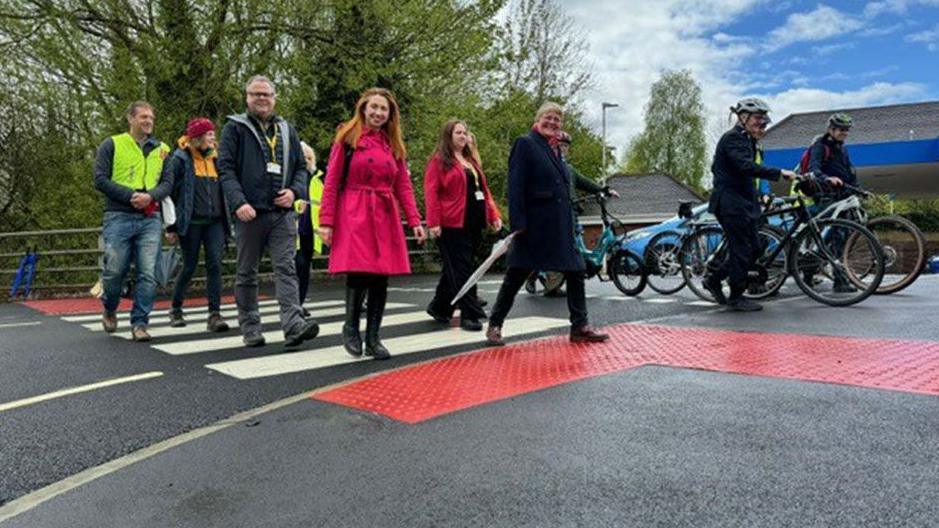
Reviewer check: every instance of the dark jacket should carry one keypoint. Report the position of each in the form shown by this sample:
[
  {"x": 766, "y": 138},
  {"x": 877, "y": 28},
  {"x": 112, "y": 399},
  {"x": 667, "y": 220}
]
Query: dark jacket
[
  {"x": 579, "y": 182},
  {"x": 837, "y": 164},
  {"x": 179, "y": 166},
  {"x": 734, "y": 169},
  {"x": 540, "y": 205},
  {"x": 116, "y": 196},
  {"x": 243, "y": 155}
]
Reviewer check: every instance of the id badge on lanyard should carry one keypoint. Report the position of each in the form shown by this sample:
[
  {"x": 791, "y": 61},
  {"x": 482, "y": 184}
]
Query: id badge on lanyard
[{"x": 273, "y": 168}]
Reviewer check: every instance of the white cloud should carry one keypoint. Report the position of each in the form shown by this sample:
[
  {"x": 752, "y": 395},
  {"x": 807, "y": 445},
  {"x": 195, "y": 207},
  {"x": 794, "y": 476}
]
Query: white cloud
[
  {"x": 821, "y": 24},
  {"x": 830, "y": 49},
  {"x": 879, "y": 31},
  {"x": 930, "y": 38},
  {"x": 814, "y": 99},
  {"x": 899, "y": 7}
]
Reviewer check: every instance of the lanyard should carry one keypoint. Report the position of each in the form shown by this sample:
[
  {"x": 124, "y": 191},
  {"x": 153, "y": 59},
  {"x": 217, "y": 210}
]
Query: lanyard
[
  {"x": 475, "y": 176},
  {"x": 272, "y": 142}
]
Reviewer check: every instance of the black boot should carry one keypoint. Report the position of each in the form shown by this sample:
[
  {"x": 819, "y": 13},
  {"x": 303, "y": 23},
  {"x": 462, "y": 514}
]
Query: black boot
[
  {"x": 351, "y": 337},
  {"x": 377, "y": 295}
]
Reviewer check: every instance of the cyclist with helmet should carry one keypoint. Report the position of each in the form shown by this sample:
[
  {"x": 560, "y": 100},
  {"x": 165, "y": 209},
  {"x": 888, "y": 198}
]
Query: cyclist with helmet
[
  {"x": 734, "y": 201},
  {"x": 828, "y": 158}
]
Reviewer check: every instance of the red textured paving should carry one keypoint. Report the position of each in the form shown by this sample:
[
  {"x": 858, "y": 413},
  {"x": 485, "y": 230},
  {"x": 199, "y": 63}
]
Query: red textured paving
[
  {"x": 424, "y": 391},
  {"x": 91, "y": 305}
]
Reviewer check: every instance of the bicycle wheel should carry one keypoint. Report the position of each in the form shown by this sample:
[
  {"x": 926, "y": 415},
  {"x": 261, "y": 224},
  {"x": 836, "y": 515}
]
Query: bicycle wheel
[
  {"x": 772, "y": 272},
  {"x": 839, "y": 265},
  {"x": 627, "y": 272},
  {"x": 531, "y": 284},
  {"x": 904, "y": 249},
  {"x": 698, "y": 257},
  {"x": 663, "y": 269}
]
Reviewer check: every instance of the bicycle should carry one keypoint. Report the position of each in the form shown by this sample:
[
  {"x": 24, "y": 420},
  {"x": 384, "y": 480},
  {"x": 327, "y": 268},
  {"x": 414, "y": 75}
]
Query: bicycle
[
  {"x": 608, "y": 257},
  {"x": 834, "y": 261},
  {"x": 904, "y": 245}
]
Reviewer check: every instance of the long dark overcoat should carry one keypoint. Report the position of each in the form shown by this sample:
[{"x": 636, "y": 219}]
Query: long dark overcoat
[{"x": 540, "y": 205}]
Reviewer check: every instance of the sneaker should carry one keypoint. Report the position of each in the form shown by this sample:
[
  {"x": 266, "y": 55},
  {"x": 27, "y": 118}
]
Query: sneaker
[
  {"x": 216, "y": 323},
  {"x": 586, "y": 334},
  {"x": 308, "y": 330},
  {"x": 494, "y": 336},
  {"x": 714, "y": 287},
  {"x": 743, "y": 305},
  {"x": 140, "y": 334},
  {"x": 109, "y": 322},
  {"x": 253, "y": 339},
  {"x": 471, "y": 325},
  {"x": 176, "y": 318}
]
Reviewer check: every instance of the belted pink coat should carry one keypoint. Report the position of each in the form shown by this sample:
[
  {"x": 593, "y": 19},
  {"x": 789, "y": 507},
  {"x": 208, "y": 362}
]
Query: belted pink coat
[{"x": 364, "y": 210}]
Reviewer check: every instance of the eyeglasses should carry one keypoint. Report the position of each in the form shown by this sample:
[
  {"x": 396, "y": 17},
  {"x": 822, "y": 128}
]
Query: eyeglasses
[
  {"x": 841, "y": 129},
  {"x": 259, "y": 95}
]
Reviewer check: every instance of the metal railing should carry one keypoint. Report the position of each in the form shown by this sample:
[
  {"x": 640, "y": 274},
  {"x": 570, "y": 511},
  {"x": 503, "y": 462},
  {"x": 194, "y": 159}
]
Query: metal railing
[{"x": 70, "y": 261}]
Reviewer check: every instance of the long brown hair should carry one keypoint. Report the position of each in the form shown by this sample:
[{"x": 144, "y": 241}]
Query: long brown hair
[
  {"x": 444, "y": 149},
  {"x": 350, "y": 131}
]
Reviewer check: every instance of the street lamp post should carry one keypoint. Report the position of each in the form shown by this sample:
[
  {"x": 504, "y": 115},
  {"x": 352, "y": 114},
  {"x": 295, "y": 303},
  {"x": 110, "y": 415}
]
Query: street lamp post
[{"x": 605, "y": 105}]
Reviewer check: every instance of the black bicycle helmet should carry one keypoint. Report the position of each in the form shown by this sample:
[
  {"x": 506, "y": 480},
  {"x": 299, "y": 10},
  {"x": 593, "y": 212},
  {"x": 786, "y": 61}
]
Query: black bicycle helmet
[{"x": 840, "y": 121}]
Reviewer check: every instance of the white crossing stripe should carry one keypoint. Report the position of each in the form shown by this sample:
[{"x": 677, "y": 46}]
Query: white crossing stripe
[
  {"x": 198, "y": 327},
  {"x": 408, "y": 289},
  {"x": 618, "y": 298},
  {"x": 277, "y": 364},
  {"x": 155, "y": 313},
  {"x": 199, "y": 318},
  {"x": 15, "y": 325},
  {"x": 328, "y": 329},
  {"x": 660, "y": 300},
  {"x": 701, "y": 303}
]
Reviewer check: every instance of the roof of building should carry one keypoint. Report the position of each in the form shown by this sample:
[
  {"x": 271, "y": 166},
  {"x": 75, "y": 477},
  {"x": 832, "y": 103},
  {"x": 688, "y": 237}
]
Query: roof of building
[
  {"x": 644, "y": 198},
  {"x": 877, "y": 124}
]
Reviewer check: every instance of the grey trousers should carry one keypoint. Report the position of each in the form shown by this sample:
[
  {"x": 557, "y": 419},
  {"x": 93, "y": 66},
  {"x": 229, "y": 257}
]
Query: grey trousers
[{"x": 277, "y": 232}]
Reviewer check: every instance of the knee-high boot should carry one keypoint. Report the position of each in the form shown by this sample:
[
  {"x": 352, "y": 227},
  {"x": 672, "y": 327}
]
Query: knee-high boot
[
  {"x": 377, "y": 295},
  {"x": 351, "y": 337}
]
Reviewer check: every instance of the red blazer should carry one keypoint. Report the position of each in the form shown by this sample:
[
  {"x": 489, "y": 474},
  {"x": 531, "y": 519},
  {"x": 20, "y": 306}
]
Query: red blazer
[{"x": 445, "y": 195}]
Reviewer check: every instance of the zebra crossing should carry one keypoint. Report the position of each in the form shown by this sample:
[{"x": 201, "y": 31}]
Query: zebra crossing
[{"x": 408, "y": 328}]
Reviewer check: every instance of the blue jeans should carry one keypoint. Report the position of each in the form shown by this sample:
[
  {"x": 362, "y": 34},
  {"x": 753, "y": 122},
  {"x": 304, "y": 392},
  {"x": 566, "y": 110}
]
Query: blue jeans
[
  {"x": 128, "y": 235},
  {"x": 212, "y": 236}
]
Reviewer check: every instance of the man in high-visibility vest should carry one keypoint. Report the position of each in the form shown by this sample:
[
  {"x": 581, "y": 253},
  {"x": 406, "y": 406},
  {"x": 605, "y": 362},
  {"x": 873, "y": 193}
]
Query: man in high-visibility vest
[
  {"x": 128, "y": 172},
  {"x": 309, "y": 242}
]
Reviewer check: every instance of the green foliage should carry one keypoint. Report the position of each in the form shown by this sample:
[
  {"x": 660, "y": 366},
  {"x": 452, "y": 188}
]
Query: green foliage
[
  {"x": 673, "y": 140},
  {"x": 923, "y": 213},
  {"x": 72, "y": 67}
]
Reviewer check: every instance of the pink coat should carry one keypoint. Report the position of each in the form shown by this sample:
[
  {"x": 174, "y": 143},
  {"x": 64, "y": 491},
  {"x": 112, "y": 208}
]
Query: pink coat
[{"x": 367, "y": 232}]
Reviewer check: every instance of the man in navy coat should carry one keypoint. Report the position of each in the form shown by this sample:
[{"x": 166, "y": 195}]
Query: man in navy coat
[{"x": 540, "y": 212}]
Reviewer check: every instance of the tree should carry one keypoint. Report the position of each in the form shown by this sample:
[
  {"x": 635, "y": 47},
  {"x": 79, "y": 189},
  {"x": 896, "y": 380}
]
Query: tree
[{"x": 673, "y": 140}]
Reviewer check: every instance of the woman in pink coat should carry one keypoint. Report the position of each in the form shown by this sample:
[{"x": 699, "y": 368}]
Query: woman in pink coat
[{"x": 367, "y": 179}]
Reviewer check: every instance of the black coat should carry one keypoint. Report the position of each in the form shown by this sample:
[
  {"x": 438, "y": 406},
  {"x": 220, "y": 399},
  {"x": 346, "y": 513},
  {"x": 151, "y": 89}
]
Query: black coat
[
  {"x": 835, "y": 164},
  {"x": 734, "y": 169},
  {"x": 540, "y": 205},
  {"x": 179, "y": 166}
]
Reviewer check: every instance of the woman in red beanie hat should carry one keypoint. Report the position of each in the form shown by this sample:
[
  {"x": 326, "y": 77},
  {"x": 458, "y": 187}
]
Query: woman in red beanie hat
[{"x": 201, "y": 217}]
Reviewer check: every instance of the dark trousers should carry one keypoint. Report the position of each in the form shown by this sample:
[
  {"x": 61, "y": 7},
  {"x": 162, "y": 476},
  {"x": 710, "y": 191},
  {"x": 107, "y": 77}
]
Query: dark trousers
[
  {"x": 212, "y": 237},
  {"x": 376, "y": 287},
  {"x": 304, "y": 260},
  {"x": 743, "y": 248},
  {"x": 457, "y": 247},
  {"x": 515, "y": 278}
]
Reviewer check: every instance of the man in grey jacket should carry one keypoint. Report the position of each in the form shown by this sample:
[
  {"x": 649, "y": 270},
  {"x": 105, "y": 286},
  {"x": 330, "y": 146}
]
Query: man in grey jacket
[
  {"x": 262, "y": 172},
  {"x": 127, "y": 172}
]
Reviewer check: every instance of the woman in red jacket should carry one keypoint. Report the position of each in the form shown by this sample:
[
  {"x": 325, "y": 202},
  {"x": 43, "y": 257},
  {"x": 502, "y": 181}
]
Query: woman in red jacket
[
  {"x": 459, "y": 206},
  {"x": 367, "y": 179}
]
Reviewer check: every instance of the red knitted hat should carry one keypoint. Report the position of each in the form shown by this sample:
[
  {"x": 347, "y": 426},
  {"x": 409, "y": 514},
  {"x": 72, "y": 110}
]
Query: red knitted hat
[{"x": 198, "y": 127}]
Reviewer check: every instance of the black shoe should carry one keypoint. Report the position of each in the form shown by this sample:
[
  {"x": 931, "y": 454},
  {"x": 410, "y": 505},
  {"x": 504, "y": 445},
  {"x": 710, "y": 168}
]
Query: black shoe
[
  {"x": 304, "y": 312},
  {"x": 714, "y": 287},
  {"x": 437, "y": 317},
  {"x": 308, "y": 330},
  {"x": 254, "y": 339},
  {"x": 471, "y": 325},
  {"x": 743, "y": 305},
  {"x": 377, "y": 295},
  {"x": 216, "y": 323},
  {"x": 481, "y": 302},
  {"x": 351, "y": 336},
  {"x": 109, "y": 322},
  {"x": 176, "y": 318},
  {"x": 843, "y": 287}
]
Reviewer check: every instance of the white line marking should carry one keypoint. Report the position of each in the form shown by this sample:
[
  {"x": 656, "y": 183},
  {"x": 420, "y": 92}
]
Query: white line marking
[
  {"x": 198, "y": 327},
  {"x": 264, "y": 366},
  {"x": 701, "y": 303},
  {"x": 328, "y": 329},
  {"x": 618, "y": 298},
  {"x": 660, "y": 300},
  {"x": 76, "y": 390},
  {"x": 14, "y": 325},
  {"x": 157, "y": 313}
]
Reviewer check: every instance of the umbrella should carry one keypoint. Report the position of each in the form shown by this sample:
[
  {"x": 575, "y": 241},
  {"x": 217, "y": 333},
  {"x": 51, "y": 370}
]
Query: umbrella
[
  {"x": 166, "y": 265},
  {"x": 498, "y": 249}
]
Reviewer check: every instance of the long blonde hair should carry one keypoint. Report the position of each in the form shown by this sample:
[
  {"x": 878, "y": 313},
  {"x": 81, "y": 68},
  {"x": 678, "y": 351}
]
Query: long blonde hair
[{"x": 350, "y": 131}]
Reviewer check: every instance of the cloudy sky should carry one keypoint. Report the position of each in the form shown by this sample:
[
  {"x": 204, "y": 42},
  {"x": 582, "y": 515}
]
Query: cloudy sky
[{"x": 799, "y": 55}]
